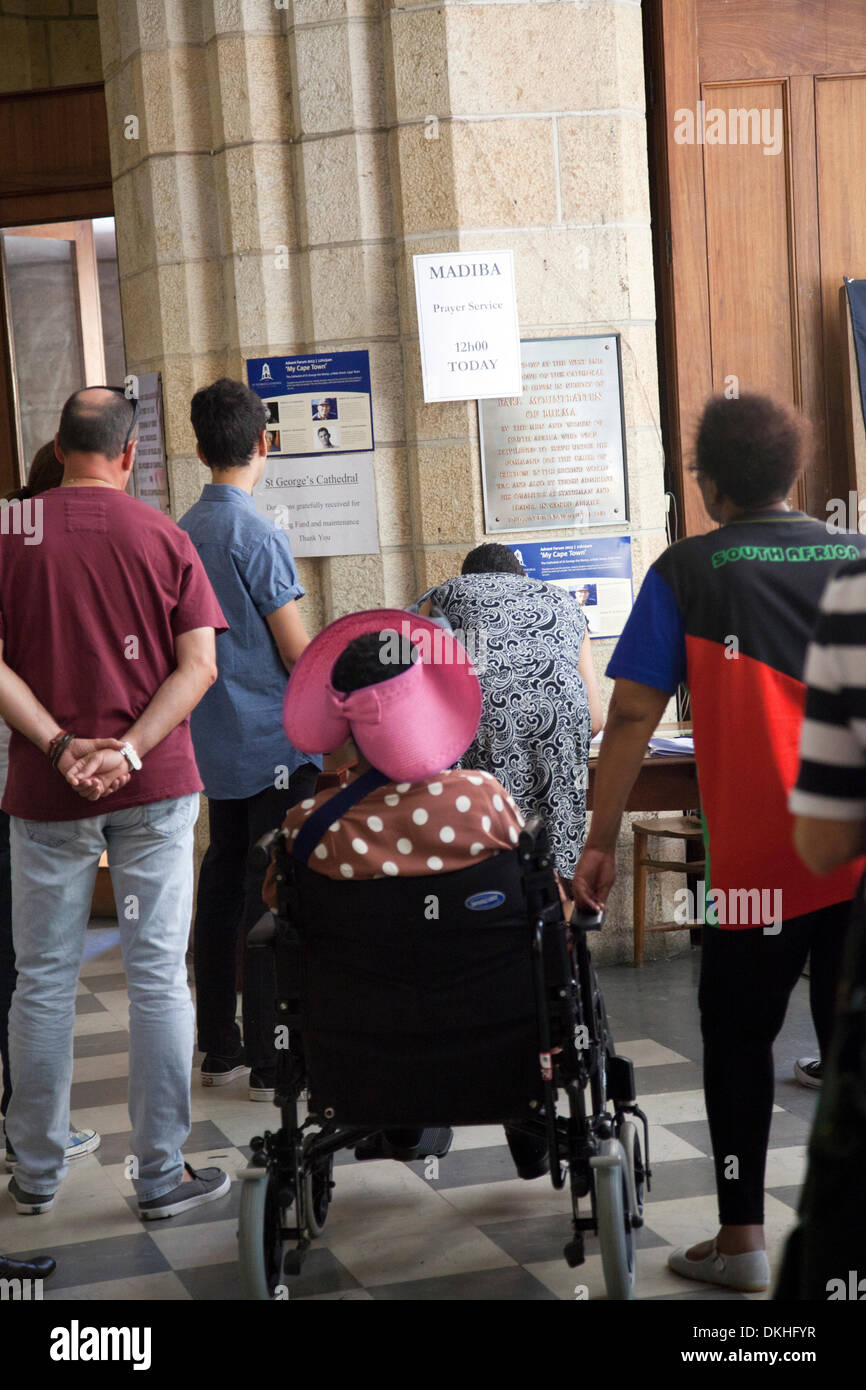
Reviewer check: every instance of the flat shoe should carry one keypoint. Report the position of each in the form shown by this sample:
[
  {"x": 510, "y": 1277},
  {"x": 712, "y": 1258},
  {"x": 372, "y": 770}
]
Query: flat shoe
[{"x": 748, "y": 1273}]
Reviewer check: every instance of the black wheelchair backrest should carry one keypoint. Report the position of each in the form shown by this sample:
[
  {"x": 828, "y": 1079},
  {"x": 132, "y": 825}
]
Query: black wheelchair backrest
[{"x": 417, "y": 1000}]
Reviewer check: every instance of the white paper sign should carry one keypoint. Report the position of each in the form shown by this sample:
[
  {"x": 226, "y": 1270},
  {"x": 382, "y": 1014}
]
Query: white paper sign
[
  {"x": 325, "y": 507},
  {"x": 467, "y": 325}
]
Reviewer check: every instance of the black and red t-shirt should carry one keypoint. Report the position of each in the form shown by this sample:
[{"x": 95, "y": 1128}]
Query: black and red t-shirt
[{"x": 730, "y": 614}]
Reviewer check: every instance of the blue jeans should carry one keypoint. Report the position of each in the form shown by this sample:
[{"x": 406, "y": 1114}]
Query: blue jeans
[{"x": 54, "y": 866}]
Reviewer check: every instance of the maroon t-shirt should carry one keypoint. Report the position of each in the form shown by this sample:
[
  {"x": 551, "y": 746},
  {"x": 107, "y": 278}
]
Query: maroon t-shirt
[{"x": 89, "y": 618}]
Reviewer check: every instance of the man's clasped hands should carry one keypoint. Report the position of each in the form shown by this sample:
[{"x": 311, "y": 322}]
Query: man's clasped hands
[{"x": 94, "y": 767}]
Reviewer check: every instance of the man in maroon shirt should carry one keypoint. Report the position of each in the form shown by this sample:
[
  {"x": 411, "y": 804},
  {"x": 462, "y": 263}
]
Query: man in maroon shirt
[{"x": 107, "y": 624}]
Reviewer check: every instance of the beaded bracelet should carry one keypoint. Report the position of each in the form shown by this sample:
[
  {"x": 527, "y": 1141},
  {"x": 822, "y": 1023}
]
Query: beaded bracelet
[{"x": 58, "y": 746}]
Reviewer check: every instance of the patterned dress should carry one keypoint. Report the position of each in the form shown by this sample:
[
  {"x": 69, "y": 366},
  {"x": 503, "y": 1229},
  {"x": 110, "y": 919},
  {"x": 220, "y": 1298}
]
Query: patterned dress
[{"x": 525, "y": 638}]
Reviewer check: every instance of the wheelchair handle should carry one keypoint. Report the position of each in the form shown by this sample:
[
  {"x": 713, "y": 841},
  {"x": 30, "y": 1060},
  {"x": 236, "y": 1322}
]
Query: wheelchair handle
[
  {"x": 587, "y": 921},
  {"x": 260, "y": 855}
]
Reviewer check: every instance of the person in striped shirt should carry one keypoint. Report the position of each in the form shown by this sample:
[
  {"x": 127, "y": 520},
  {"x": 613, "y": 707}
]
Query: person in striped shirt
[{"x": 824, "y": 1255}]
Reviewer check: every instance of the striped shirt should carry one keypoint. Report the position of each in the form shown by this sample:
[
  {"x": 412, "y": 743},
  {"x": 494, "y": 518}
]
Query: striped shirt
[{"x": 832, "y": 780}]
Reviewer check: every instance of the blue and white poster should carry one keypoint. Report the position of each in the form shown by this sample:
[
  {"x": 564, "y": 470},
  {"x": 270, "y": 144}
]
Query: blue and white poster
[
  {"x": 596, "y": 571},
  {"x": 317, "y": 404}
]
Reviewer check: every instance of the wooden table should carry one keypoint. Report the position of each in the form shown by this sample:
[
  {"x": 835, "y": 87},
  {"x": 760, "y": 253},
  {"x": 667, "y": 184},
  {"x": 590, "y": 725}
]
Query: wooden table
[{"x": 666, "y": 782}]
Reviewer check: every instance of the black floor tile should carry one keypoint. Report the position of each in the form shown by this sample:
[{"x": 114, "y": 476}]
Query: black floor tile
[
  {"x": 787, "y": 1129},
  {"x": 543, "y": 1238},
  {"x": 111, "y": 1091},
  {"x": 687, "y": 1177},
  {"x": 97, "y": 1261},
  {"x": 789, "y": 1195},
  {"x": 89, "y": 1004},
  {"x": 467, "y": 1167},
  {"x": 673, "y": 1076},
  {"x": 695, "y": 1132},
  {"x": 101, "y": 1044},
  {"x": 204, "y": 1136},
  {"x": 321, "y": 1273},
  {"x": 799, "y": 1100},
  {"x": 105, "y": 984},
  {"x": 212, "y": 1283}
]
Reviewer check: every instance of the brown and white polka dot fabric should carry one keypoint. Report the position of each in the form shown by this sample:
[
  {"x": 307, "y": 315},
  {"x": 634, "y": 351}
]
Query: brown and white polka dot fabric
[{"x": 440, "y": 824}]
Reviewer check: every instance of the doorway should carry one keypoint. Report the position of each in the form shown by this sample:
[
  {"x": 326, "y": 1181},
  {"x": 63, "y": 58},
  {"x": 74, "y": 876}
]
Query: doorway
[{"x": 63, "y": 322}]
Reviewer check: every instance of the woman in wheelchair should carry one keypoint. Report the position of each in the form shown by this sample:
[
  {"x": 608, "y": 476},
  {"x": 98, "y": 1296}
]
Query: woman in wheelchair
[
  {"x": 416, "y": 814},
  {"x": 424, "y": 967}
]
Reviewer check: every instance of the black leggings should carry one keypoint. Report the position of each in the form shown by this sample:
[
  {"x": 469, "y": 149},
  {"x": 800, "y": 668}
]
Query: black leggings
[{"x": 746, "y": 981}]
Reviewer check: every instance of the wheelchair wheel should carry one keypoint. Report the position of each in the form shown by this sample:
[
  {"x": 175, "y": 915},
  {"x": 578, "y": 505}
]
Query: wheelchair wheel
[
  {"x": 317, "y": 1191},
  {"x": 617, "y": 1242},
  {"x": 260, "y": 1246},
  {"x": 629, "y": 1138}
]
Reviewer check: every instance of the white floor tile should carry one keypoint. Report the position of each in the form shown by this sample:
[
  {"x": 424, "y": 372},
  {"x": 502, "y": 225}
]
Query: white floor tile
[
  {"x": 643, "y": 1052},
  {"x": 194, "y": 1247}
]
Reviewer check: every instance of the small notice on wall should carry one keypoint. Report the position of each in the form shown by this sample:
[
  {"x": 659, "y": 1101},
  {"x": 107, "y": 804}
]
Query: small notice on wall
[
  {"x": 596, "y": 571},
  {"x": 151, "y": 472},
  {"x": 555, "y": 454},
  {"x": 317, "y": 404},
  {"x": 467, "y": 325},
  {"x": 325, "y": 508}
]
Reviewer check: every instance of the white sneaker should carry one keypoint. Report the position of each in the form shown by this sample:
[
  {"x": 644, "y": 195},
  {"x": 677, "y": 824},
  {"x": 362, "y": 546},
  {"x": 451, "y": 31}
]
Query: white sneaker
[
  {"x": 749, "y": 1273},
  {"x": 809, "y": 1071},
  {"x": 81, "y": 1142}
]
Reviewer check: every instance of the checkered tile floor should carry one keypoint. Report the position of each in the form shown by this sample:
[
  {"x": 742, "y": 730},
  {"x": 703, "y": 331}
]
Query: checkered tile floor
[{"x": 475, "y": 1232}]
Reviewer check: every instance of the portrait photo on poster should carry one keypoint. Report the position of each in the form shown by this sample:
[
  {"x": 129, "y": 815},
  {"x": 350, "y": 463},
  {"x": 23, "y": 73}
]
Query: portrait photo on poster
[{"x": 316, "y": 403}]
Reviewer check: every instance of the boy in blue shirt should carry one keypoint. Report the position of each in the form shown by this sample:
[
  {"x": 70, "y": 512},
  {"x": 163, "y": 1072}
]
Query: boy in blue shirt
[{"x": 251, "y": 773}]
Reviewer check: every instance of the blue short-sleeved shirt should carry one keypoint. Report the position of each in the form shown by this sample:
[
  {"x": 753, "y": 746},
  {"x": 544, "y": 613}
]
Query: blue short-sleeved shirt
[{"x": 237, "y": 728}]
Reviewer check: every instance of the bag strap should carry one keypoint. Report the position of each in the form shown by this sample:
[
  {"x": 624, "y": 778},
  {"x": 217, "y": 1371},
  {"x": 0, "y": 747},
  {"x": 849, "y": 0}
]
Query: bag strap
[{"x": 315, "y": 825}]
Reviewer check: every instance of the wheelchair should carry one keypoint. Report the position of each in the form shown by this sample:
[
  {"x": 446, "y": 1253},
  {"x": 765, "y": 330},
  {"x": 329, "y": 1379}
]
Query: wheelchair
[{"x": 459, "y": 999}]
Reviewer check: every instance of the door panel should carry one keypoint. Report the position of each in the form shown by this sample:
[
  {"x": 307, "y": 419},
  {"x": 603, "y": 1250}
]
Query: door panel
[
  {"x": 749, "y": 275},
  {"x": 776, "y": 38},
  {"x": 760, "y": 242}
]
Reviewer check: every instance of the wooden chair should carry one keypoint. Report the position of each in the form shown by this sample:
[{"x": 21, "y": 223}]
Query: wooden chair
[{"x": 687, "y": 828}]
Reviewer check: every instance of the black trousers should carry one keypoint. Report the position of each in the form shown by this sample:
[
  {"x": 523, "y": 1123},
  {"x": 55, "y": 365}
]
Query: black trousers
[
  {"x": 8, "y": 974},
  {"x": 746, "y": 981},
  {"x": 230, "y": 901}
]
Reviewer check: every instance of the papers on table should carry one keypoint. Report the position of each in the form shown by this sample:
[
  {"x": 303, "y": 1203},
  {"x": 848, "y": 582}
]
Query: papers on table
[{"x": 684, "y": 744}]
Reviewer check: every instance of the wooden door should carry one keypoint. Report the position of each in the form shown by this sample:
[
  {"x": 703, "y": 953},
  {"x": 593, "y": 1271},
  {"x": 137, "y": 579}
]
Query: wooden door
[{"x": 762, "y": 211}]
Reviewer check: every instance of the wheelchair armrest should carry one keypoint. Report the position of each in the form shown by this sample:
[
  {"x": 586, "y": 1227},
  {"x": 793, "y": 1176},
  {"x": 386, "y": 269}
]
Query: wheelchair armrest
[
  {"x": 587, "y": 921},
  {"x": 533, "y": 838},
  {"x": 259, "y": 856}
]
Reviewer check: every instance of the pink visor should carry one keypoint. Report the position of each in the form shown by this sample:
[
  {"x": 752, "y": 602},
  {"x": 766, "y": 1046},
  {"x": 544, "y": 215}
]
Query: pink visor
[{"x": 408, "y": 726}]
